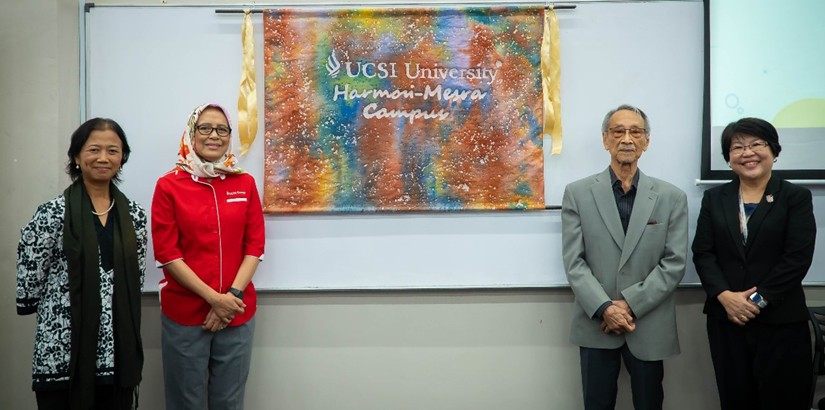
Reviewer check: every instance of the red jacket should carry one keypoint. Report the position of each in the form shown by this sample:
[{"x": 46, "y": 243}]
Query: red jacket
[{"x": 211, "y": 225}]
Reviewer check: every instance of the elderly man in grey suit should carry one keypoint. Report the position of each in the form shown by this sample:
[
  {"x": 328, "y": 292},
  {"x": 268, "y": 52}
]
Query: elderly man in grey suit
[{"x": 624, "y": 239}]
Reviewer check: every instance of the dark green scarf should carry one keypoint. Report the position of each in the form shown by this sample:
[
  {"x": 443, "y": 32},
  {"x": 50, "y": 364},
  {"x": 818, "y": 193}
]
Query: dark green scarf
[{"x": 82, "y": 254}]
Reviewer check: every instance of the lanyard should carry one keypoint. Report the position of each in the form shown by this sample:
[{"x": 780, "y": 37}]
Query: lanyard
[{"x": 743, "y": 220}]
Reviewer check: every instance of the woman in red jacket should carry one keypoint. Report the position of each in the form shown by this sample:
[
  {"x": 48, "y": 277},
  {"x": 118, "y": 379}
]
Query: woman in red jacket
[{"x": 208, "y": 235}]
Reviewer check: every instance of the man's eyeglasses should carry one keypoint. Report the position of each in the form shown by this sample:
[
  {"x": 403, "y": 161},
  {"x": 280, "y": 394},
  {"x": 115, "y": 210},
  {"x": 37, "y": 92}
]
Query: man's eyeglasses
[
  {"x": 619, "y": 132},
  {"x": 205, "y": 129},
  {"x": 755, "y": 146}
]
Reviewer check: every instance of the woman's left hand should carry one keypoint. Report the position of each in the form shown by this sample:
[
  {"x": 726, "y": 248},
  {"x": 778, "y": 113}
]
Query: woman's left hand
[
  {"x": 226, "y": 306},
  {"x": 213, "y": 323},
  {"x": 740, "y": 310}
]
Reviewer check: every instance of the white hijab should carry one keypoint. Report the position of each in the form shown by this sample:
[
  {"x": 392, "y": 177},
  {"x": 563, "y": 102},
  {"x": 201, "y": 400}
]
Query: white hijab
[{"x": 190, "y": 162}]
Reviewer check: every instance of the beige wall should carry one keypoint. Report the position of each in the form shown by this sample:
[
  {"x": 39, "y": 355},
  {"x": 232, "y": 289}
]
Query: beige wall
[
  {"x": 38, "y": 110},
  {"x": 313, "y": 351}
]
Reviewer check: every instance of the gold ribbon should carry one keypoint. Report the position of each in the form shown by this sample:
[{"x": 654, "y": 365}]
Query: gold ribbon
[
  {"x": 551, "y": 78},
  {"x": 247, "y": 94}
]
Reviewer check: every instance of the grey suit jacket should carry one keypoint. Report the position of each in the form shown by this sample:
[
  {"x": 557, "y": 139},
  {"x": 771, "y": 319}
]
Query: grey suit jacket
[{"x": 643, "y": 267}]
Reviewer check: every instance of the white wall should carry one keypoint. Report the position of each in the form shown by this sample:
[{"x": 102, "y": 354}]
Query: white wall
[{"x": 480, "y": 350}]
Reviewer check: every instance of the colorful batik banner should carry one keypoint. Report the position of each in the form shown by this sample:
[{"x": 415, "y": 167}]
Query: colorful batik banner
[{"x": 403, "y": 109}]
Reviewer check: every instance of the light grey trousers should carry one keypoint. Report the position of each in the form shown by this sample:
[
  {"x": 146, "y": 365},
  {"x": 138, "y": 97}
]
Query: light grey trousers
[{"x": 205, "y": 370}]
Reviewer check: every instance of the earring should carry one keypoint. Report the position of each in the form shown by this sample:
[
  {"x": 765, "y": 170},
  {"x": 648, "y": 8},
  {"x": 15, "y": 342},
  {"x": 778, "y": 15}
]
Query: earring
[
  {"x": 76, "y": 166},
  {"x": 774, "y": 160}
]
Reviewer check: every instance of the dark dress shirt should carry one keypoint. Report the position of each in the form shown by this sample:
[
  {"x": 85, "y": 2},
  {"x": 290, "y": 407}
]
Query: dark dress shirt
[{"x": 624, "y": 203}]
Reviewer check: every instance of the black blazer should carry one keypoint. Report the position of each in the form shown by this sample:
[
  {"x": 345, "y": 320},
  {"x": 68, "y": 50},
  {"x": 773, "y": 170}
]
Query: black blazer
[{"x": 780, "y": 247}]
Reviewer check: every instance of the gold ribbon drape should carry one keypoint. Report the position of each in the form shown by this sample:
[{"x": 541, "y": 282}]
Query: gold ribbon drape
[
  {"x": 247, "y": 94},
  {"x": 551, "y": 78}
]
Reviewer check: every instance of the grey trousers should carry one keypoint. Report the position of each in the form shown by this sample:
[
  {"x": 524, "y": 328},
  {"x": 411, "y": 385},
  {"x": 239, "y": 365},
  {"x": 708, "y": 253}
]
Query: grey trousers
[{"x": 205, "y": 370}]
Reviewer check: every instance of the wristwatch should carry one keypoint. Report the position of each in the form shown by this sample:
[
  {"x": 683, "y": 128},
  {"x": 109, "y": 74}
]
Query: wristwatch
[
  {"x": 239, "y": 293},
  {"x": 757, "y": 299}
]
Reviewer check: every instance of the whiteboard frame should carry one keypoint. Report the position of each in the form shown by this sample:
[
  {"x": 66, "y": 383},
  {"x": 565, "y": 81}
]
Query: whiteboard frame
[{"x": 475, "y": 250}]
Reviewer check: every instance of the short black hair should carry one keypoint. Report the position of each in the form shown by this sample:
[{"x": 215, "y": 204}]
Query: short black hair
[
  {"x": 81, "y": 135},
  {"x": 755, "y": 127}
]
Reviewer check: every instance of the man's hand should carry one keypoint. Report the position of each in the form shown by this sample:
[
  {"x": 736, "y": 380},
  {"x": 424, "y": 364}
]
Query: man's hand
[{"x": 618, "y": 318}]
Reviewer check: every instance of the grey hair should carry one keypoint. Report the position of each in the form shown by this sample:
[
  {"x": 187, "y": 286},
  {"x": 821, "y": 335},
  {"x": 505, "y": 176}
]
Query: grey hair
[{"x": 627, "y": 107}]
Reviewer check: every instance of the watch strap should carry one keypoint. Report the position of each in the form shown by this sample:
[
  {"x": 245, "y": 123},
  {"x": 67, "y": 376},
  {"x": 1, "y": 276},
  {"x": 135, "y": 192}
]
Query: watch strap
[{"x": 235, "y": 292}]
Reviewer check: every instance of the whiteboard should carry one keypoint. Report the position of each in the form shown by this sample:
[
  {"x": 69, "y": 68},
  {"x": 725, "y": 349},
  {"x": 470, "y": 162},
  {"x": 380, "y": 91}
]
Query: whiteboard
[
  {"x": 148, "y": 67},
  {"x": 765, "y": 73}
]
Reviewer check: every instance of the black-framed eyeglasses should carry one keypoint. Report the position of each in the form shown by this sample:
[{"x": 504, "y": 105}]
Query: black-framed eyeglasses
[
  {"x": 221, "y": 130},
  {"x": 619, "y": 132},
  {"x": 755, "y": 146}
]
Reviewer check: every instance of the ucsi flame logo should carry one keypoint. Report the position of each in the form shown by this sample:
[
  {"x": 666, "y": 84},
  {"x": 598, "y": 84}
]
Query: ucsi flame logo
[{"x": 333, "y": 65}]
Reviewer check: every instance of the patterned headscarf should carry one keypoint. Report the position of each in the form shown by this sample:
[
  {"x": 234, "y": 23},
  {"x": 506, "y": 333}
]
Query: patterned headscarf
[{"x": 190, "y": 162}]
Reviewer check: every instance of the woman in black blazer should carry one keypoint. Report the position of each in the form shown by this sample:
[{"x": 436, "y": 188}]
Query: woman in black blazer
[{"x": 754, "y": 244}]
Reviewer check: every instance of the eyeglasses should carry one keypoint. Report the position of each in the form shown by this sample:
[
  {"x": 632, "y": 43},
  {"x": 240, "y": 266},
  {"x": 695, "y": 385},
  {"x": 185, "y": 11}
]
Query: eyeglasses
[
  {"x": 619, "y": 132},
  {"x": 755, "y": 146},
  {"x": 205, "y": 129}
]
